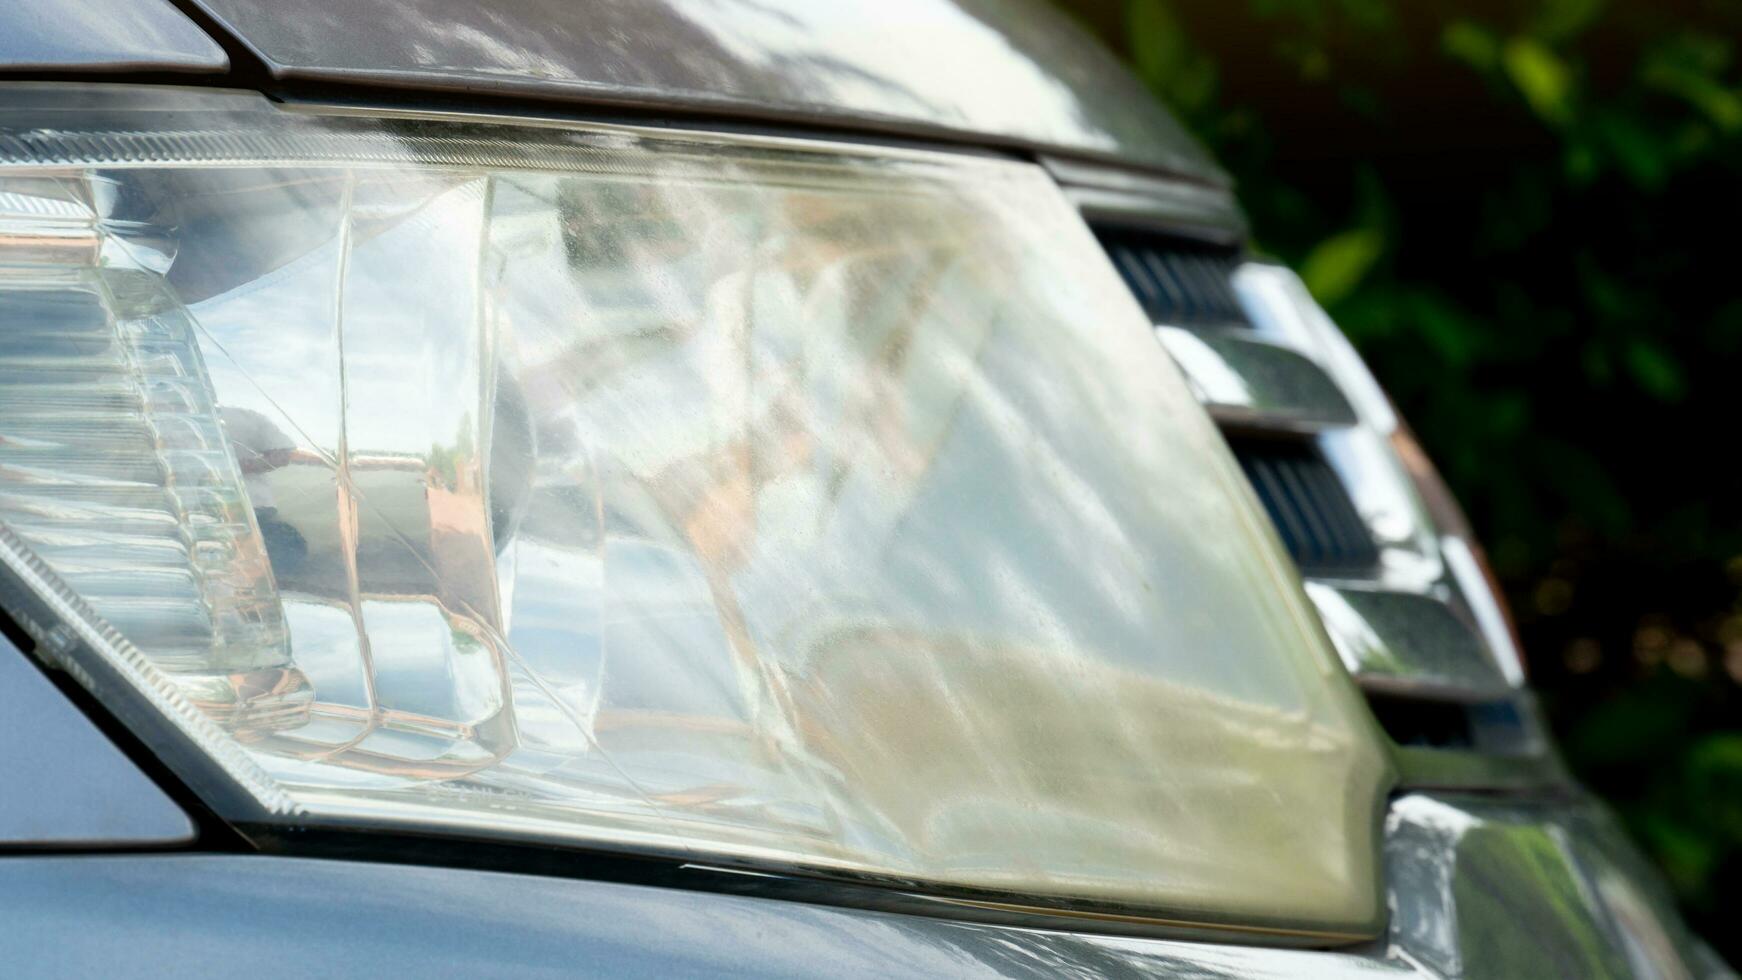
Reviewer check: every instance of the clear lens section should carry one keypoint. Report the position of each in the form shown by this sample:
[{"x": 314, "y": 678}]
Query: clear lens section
[
  {"x": 801, "y": 508},
  {"x": 114, "y": 464}
]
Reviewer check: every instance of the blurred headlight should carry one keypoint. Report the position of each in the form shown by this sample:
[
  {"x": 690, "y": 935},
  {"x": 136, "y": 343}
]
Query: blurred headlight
[{"x": 796, "y": 507}]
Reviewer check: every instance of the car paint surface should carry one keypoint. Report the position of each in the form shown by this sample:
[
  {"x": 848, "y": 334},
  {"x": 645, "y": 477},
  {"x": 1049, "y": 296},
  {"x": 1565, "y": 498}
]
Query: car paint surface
[
  {"x": 63, "y": 782},
  {"x": 1002, "y": 72},
  {"x": 1478, "y": 888},
  {"x": 104, "y": 36}
]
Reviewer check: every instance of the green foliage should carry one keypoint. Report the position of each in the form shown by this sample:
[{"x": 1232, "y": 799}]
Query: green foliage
[
  {"x": 1337, "y": 265},
  {"x": 1522, "y": 215},
  {"x": 1541, "y": 76},
  {"x": 1472, "y": 44},
  {"x": 1161, "y": 53}
]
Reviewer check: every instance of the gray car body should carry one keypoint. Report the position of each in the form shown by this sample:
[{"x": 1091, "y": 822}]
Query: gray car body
[
  {"x": 1011, "y": 73},
  {"x": 1520, "y": 882},
  {"x": 1477, "y": 886}
]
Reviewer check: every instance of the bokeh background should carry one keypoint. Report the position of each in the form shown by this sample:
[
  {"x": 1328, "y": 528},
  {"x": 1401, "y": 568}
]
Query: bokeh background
[{"x": 1526, "y": 216}]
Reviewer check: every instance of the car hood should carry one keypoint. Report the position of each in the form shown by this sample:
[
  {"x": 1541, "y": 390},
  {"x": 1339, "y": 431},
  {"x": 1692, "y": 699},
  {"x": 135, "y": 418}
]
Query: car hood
[{"x": 999, "y": 72}]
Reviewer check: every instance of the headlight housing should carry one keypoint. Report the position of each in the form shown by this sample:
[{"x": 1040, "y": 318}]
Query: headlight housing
[{"x": 798, "y": 507}]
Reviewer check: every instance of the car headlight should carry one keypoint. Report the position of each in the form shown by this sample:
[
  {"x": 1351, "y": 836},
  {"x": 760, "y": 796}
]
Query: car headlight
[{"x": 797, "y": 507}]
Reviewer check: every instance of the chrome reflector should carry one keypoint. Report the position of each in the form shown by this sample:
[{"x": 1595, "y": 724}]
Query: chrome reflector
[{"x": 114, "y": 466}]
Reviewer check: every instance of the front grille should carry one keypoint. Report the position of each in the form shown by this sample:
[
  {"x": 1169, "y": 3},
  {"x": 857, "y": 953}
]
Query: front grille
[
  {"x": 1308, "y": 504},
  {"x": 1425, "y": 669},
  {"x": 1179, "y": 282}
]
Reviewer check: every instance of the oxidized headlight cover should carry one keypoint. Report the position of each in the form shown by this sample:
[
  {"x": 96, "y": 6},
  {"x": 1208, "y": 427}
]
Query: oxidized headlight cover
[{"x": 793, "y": 506}]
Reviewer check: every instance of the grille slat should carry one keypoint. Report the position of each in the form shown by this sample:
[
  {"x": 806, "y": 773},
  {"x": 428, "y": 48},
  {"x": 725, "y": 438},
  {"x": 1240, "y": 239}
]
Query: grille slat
[
  {"x": 1312, "y": 512},
  {"x": 1265, "y": 480},
  {"x": 1173, "y": 295},
  {"x": 1138, "y": 276},
  {"x": 1189, "y": 285},
  {"x": 1180, "y": 282}
]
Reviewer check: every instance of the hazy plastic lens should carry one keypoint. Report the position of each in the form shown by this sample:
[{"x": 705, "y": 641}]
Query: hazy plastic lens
[{"x": 802, "y": 507}]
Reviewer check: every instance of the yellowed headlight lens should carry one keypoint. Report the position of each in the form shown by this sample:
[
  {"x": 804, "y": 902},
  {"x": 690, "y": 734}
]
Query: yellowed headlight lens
[{"x": 800, "y": 507}]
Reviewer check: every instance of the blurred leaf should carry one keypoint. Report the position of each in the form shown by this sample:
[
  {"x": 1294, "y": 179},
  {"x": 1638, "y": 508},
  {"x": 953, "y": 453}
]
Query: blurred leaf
[
  {"x": 1585, "y": 486},
  {"x": 1559, "y": 20},
  {"x": 1654, "y": 369},
  {"x": 1508, "y": 414},
  {"x": 1642, "y": 156},
  {"x": 1373, "y": 15},
  {"x": 1581, "y": 163},
  {"x": 1472, "y": 44},
  {"x": 1634, "y": 727},
  {"x": 1687, "y": 855},
  {"x": 1541, "y": 76},
  {"x": 1337, "y": 265},
  {"x": 1446, "y": 329},
  {"x": 1692, "y": 140},
  {"x": 1306, "y": 56},
  {"x": 1715, "y": 781},
  {"x": 1690, "y": 68},
  {"x": 1163, "y": 56}
]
